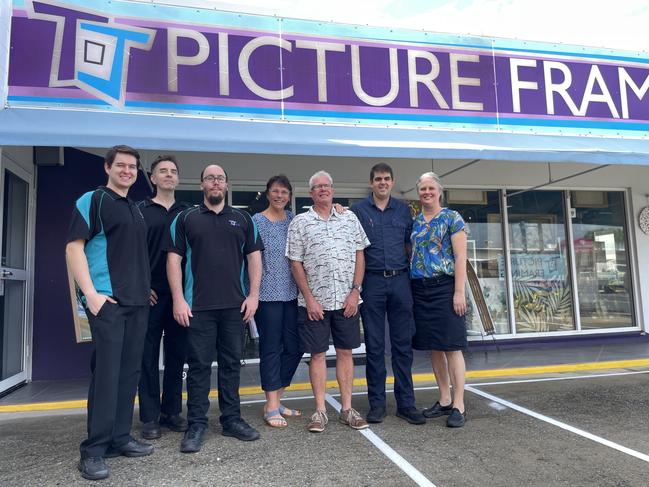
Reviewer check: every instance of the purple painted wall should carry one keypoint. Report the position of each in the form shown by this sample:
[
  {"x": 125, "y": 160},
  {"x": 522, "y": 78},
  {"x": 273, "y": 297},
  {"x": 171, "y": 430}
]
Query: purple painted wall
[{"x": 56, "y": 355}]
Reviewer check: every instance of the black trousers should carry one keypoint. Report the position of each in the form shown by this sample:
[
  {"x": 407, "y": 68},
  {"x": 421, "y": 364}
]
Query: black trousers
[
  {"x": 161, "y": 321},
  {"x": 389, "y": 295},
  {"x": 118, "y": 335},
  {"x": 209, "y": 331}
]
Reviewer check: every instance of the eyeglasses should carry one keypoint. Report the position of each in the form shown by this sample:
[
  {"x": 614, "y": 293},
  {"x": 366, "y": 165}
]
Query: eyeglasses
[
  {"x": 316, "y": 187},
  {"x": 211, "y": 179},
  {"x": 280, "y": 192}
]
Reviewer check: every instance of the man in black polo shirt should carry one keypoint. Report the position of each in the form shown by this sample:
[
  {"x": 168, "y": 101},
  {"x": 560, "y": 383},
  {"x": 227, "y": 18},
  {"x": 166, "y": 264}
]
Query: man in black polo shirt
[
  {"x": 159, "y": 212},
  {"x": 386, "y": 289},
  {"x": 217, "y": 241},
  {"x": 107, "y": 254}
]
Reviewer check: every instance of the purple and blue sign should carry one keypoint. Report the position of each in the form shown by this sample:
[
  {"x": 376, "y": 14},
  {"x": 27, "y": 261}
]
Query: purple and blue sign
[{"x": 138, "y": 58}]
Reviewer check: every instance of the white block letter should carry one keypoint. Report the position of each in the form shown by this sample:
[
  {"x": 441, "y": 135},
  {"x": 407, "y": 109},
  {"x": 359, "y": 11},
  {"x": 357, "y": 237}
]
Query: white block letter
[
  {"x": 377, "y": 101},
  {"x": 559, "y": 88},
  {"x": 625, "y": 80},
  {"x": 595, "y": 76},
  {"x": 224, "y": 65},
  {"x": 427, "y": 79},
  {"x": 457, "y": 81},
  {"x": 244, "y": 70},
  {"x": 517, "y": 84},
  {"x": 174, "y": 59},
  {"x": 321, "y": 49}
]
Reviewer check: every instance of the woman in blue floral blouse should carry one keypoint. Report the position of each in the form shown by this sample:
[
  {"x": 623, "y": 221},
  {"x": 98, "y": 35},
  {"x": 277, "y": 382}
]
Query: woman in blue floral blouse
[
  {"x": 438, "y": 276},
  {"x": 276, "y": 317}
]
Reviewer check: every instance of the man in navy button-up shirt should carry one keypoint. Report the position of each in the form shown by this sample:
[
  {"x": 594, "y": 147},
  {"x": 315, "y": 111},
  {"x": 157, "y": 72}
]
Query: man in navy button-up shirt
[{"x": 386, "y": 289}]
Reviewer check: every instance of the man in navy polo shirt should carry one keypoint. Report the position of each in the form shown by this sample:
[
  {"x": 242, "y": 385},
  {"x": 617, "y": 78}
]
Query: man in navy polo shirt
[
  {"x": 217, "y": 242},
  {"x": 107, "y": 254},
  {"x": 159, "y": 212},
  {"x": 386, "y": 289}
]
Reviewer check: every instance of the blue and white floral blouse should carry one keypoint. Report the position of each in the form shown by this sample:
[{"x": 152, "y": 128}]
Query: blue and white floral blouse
[
  {"x": 432, "y": 251},
  {"x": 277, "y": 283}
]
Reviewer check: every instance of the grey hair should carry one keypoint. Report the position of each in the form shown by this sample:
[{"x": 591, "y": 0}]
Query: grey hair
[
  {"x": 319, "y": 174},
  {"x": 434, "y": 177}
]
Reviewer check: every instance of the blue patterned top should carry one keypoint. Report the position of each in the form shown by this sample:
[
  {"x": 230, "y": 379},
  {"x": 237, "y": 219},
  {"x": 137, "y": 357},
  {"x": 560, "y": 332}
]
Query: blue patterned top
[
  {"x": 432, "y": 251},
  {"x": 277, "y": 283}
]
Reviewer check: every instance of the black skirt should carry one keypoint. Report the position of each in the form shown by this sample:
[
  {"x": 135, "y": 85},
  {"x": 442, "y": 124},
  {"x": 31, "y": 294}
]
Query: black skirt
[{"x": 437, "y": 327}]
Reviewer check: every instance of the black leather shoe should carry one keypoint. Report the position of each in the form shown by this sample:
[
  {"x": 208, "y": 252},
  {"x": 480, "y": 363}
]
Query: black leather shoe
[
  {"x": 93, "y": 468},
  {"x": 151, "y": 431},
  {"x": 174, "y": 422},
  {"x": 133, "y": 448},
  {"x": 456, "y": 419},
  {"x": 240, "y": 430},
  {"x": 193, "y": 439},
  {"x": 437, "y": 410},
  {"x": 412, "y": 415},
  {"x": 376, "y": 414}
]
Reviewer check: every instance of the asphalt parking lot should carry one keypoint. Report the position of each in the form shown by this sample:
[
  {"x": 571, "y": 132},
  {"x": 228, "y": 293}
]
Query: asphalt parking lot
[{"x": 577, "y": 429}]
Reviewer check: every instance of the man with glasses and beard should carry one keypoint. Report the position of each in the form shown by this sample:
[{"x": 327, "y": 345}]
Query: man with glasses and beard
[{"x": 217, "y": 242}]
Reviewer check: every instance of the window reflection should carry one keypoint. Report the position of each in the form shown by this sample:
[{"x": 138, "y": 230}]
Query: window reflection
[
  {"x": 602, "y": 260},
  {"x": 539, "y": 262},
  {"x": 482, "y": 214}
]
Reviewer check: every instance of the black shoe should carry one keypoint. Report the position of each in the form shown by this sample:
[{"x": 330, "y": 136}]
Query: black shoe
[
  {"x": 151, "y": 431},
  {"x": 437, "y": 410},
  {"x": 133, "y": 448},
  {"x": 93, "y": 468},
  {"x": 412, "y": 415},
  {"x": 193, "y": 439},
  {"x": 174, "y": 422},
  {"x": 456, "y": 419},
  {"x": 376, "y": 414},
  {"x": 240, "y": 430}
]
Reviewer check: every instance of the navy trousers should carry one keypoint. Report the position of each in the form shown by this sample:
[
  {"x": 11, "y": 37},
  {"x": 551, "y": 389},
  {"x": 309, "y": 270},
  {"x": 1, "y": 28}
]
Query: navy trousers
[
  {"x": 391, "y": 295},
  {"x": 209, "y": 331},
  {"x": 279, "y": 343},
  {"x": 161, "y": 321},
  {"x": 118, "y": 335}
]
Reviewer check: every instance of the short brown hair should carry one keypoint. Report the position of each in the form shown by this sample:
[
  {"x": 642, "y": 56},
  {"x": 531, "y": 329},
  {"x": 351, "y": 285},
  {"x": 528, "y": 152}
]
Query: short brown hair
[{"x": 121, "y": 149}]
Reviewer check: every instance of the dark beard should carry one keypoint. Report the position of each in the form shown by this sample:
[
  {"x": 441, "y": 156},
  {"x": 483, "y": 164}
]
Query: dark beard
[{"x": 215, "y": 200}]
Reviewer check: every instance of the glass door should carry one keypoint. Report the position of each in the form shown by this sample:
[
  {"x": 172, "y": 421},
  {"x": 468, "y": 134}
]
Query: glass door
[
  {"x": 539, "y": 262},
  {"x": 14, "y": 226}
]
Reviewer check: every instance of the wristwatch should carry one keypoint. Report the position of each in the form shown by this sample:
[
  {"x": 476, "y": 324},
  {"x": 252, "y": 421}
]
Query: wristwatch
[{"x": 357, "y": 286}]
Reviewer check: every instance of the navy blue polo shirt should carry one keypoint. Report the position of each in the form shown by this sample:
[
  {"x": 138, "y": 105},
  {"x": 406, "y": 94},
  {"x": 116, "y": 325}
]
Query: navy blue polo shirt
[
  {"x": 215, "y": 246},
  {"x": 158, "y": 220},
  {"x": 116, "y": 249},
  {"x": 388, "y": 231}
]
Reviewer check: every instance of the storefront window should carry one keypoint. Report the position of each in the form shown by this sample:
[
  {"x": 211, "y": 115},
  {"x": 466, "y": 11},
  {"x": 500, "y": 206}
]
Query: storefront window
[
  {"x": 481, "y": 212},
  {"x": 539, "y": 262},
  {"x": 603, "y": 277}
]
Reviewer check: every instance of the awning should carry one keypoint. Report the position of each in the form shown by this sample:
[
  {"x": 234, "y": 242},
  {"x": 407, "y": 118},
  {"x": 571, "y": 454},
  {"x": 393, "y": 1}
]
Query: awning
[{"x": 51, "y": 127}]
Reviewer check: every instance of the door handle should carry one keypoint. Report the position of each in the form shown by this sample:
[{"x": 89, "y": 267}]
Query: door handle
[{"x": 5, "y": 274}]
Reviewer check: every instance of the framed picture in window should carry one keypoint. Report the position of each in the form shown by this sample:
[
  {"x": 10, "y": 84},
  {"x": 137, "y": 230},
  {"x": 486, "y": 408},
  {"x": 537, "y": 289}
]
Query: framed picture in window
[{"x": 81, "y": 325}]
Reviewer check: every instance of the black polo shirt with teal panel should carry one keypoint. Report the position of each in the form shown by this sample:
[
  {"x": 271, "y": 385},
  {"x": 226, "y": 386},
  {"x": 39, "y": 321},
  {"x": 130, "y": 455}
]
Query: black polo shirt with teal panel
[
  {"x": 158, "y": 219},
  {"x": 114, "y": 232},
  {"x": 215, "y": 246}
]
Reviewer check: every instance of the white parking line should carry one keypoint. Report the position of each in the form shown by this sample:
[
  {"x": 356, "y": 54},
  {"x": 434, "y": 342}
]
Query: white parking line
[
  {"x": 550, "y": 379},
  {"x": 554, "y": 422},
  {"x": 397, "y": 459}
]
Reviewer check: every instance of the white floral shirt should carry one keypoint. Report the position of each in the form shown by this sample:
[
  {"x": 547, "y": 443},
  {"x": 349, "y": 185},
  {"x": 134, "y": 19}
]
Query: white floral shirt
[{"x": 327, "y": 250}]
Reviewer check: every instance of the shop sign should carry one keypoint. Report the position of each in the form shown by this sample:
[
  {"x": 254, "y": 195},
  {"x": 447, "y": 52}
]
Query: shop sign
[{"x": 130, "y": 56}]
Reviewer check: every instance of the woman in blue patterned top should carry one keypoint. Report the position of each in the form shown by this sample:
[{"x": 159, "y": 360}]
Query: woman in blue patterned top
[
  {"x": 438, "y": 276},
  {"x": 276, "y": 317}
]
